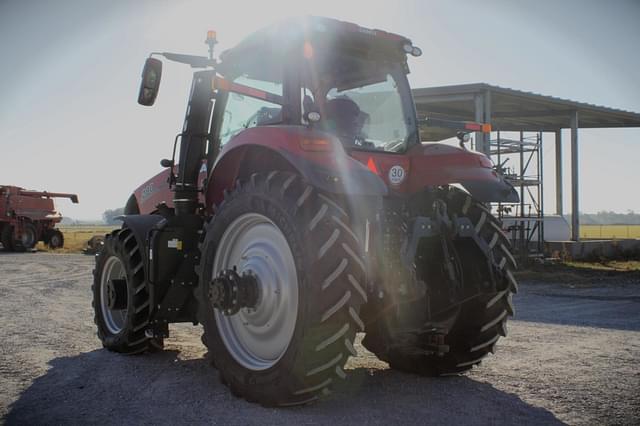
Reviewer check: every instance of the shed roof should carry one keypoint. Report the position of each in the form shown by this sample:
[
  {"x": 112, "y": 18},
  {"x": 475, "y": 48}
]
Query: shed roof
[{"x": 514, "y": 110}]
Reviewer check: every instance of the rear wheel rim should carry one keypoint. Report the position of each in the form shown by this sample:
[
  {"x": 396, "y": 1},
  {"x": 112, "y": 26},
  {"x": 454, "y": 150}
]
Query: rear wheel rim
[
  {"x": 114, "y": 319},
  {"x": 257, "y": 338}
]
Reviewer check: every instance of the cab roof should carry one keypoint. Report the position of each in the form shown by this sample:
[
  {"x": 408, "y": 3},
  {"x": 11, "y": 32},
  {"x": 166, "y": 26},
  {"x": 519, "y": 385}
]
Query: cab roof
[{"x": 278, "y": 39}]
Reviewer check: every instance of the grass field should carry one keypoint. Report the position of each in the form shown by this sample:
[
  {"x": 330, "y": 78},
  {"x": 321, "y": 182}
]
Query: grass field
[
  {"x": 607, "y": 266},
  {"x": 609, "y": 231},
  {"x": 76, "y": 237}
]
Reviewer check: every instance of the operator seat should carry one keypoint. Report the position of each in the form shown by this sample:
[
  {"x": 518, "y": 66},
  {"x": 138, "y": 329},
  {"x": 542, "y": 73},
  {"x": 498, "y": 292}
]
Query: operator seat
[{"x": 344, "y": 118}]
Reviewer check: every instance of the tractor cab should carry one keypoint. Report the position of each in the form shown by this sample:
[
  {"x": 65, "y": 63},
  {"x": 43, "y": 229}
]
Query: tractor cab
[
  {"x": 333, "y": 76},
  {"x": 328, "y": 83}
]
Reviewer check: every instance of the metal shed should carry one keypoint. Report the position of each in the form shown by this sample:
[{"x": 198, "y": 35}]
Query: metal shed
[{"x": 518, "y": 111}]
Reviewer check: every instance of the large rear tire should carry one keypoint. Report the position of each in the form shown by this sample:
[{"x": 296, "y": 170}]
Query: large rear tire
[
  {"x": 28, "y": 239},
  {"x": 6, "y": 237},
  {"x": 480, "y": 322},
  {"x": 121, "y": 298},
  {"x": 292, "y": 346}
]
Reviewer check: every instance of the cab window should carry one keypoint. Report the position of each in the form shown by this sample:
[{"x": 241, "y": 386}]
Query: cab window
[{"x": 242, "y": 111}]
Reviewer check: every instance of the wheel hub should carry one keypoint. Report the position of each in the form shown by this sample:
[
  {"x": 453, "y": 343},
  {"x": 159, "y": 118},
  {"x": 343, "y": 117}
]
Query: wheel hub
[
  {"x": 117, "y": 293},
  {"x": 28, "y": 238},
  {"x": 55, "y": 241},
  {"x": 229, "y": 292},
  {"x": 113, "y": 295}
]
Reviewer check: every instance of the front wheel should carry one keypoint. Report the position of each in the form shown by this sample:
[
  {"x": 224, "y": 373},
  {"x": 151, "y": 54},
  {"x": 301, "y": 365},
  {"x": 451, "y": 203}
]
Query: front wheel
[
  {"x": 121, "y": 299},
  {"x": 289, "y": 347},
  {"x": 55, "y": 239}
]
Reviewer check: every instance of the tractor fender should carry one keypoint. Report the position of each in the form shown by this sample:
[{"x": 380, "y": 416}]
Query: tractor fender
[
  {"x": 132, "y": 206},
  {"x": 140, "y": 225},
  {"x": 492, "y": 191},
  {"x": 436, "y": 164},
  {"x": 268, "y": 148}
]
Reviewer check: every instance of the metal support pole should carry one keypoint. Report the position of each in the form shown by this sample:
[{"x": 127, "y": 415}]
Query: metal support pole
[
  {"x": 575, "y": 184},
  {"x": 479, "y": 117},
  {"x": 559, "y": 209},
  {"x": 540, "y": 194},
  {"x": 523, "y": 240},
  {"x": 486, "y": 137}
]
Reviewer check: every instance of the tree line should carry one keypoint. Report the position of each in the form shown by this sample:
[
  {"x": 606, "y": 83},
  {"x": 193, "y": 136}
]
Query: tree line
[
  {"x": 608, "y": 218},
  {"x": 109, "y": 216}
]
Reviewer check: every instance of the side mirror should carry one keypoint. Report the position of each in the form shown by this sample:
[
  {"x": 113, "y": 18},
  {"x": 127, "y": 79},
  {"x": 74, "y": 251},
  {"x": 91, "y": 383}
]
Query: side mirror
[{"x": 150, "y": 83}]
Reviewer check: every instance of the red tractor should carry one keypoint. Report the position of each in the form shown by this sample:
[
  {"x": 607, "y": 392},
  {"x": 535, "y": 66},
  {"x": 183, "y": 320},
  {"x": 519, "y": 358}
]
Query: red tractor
[
  {"x": 302, "y": 209},
  {"x": 27, "y": 217}
]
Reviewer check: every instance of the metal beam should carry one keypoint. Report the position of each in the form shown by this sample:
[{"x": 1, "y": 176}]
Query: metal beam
[
  {"x": 575, "y": 184},
  {"x": 424, "y": 109},
  {"x": 532, "y": 114},
  {"x": 559, "y": 209},
  {"x": 436, "y": 99}
]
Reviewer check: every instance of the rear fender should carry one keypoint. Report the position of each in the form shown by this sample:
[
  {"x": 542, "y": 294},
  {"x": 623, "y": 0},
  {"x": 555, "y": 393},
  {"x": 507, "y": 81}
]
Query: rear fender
[
  {"x": 438, "y": 164},
  {"x": 268, "y": 148}
]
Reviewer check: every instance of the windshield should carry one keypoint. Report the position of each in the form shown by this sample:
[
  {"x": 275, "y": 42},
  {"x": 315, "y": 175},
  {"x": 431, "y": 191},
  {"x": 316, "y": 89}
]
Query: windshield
[
  {"x": 361, "y": 102},
  {"x": 369, "y": 116}
]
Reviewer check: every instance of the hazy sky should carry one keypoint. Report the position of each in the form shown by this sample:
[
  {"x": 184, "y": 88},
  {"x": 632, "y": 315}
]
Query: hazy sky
[{"x": 70, "y": 71}]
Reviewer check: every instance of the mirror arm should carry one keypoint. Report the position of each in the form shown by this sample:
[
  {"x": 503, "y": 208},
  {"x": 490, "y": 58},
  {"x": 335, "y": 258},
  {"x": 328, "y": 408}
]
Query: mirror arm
[
  {"x": 194, "y": 61},
  {"x": 172, "y": 162},
  {"x": 172, "y": 175}
]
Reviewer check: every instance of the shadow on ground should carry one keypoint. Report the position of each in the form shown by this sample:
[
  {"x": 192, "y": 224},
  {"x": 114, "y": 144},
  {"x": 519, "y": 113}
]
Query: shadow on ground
[
  {"x": 601, "y": 306},
  {"x": 105, "y": 388}
]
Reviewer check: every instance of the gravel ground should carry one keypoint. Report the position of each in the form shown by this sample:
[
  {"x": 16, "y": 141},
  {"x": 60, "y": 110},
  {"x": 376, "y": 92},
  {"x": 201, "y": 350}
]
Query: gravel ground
[{"x": 571, "y": 356}]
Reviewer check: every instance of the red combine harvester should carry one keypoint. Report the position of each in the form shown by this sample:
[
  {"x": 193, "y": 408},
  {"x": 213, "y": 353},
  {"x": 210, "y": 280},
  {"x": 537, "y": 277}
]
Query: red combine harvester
[
  {"x": 27, "y": 217},
  {"x": 302, "y": 208}
]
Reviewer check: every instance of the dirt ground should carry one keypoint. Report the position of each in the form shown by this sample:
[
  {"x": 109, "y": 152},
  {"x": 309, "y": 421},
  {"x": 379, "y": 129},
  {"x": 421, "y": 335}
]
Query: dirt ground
[{"x": 571, "y": 356}]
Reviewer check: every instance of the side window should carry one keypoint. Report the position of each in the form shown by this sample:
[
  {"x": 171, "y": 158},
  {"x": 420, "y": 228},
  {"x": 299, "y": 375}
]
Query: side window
[{"x": 243, "y": 112}]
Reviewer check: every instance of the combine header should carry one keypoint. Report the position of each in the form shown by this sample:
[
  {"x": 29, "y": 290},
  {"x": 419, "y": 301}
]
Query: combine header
[{"x": 27, "y": 217}]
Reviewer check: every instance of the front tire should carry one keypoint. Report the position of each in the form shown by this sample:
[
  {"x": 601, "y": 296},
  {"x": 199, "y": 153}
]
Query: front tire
[
  {"x": 291, "y": 348},
  {"x": 55, "y": 239},
  {"x": 121, "y": 299}
]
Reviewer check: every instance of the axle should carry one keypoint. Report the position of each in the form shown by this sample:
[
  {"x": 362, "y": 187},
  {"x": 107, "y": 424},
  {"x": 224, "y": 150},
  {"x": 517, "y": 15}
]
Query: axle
[{"x": 229, "y": 292}]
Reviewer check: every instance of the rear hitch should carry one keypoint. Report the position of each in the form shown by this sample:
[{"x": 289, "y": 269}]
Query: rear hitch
[
  {"x": 435, "y": 342},
  {"x": 431, "y": 342}
]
